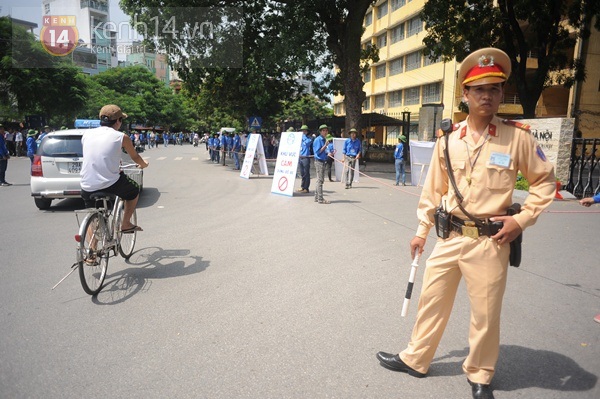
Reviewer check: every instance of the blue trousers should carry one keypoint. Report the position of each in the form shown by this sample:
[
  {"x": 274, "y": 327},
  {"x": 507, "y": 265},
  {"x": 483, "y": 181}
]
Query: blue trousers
[
  {"x": 304, "y": 165},
  {"x": 400, "y": 171}
]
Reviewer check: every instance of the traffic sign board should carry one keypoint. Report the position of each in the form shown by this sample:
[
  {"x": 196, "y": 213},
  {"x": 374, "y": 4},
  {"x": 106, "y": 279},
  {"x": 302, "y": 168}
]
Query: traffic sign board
[{"x": 255, "y": 122}]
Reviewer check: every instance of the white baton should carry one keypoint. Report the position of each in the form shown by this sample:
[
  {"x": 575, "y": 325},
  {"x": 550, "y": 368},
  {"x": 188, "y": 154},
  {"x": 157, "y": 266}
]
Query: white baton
[{"x": 411, "y": 281}]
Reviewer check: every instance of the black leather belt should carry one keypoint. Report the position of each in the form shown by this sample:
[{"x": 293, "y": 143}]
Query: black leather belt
[{"x": 470, "y": 229}]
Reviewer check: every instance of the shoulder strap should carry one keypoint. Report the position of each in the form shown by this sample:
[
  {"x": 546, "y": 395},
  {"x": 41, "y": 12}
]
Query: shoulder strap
[{"x": 459, "y": 196}]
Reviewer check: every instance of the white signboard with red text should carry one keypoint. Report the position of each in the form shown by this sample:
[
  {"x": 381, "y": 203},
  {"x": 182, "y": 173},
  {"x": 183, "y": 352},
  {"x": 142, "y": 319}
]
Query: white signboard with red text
[
  {"x": 254, "y": 147},
  {"x": 287, "y": 163}
]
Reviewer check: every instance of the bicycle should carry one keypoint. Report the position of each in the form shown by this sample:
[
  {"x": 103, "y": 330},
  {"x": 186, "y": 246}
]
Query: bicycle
[{"x": 99, "y": 235}]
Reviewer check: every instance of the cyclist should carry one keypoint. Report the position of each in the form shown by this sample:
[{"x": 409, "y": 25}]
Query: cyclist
[{"x": 101, "y": 160}]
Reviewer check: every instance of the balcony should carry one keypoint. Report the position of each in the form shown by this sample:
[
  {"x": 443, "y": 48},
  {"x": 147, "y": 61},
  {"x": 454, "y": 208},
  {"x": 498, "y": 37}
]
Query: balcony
[{"x": 95, "y": 5}]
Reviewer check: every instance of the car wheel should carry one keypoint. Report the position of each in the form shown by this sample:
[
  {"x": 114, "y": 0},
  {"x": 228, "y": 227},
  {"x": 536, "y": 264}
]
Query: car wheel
[{"x": 43, "y": 203}]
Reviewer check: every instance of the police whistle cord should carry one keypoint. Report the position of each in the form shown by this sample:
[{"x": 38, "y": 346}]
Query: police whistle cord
[{"x": 411, "y": 281}]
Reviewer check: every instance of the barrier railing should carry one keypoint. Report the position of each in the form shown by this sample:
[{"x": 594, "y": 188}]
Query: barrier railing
[{"x": 584, "y": 171}]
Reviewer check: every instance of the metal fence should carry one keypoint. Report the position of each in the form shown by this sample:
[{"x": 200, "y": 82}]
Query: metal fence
[{"x": 584, "y": 171}]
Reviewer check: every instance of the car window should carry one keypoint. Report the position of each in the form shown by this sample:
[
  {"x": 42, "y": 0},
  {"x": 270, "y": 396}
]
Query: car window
[{"x": 61, "y": 146}]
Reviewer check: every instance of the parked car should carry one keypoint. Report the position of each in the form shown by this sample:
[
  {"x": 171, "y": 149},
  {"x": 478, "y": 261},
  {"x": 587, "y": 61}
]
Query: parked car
[{"x": 56, "y": 167}]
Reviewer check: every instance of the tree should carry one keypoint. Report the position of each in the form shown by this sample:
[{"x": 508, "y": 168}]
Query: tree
[
  {"x": 305, "y": 108},
  {"x": 35, "y": 82},
  {"x": 519, "y": 27},
  {"x": 280, "y": 39},
  {"x": 144, "y": 98}
]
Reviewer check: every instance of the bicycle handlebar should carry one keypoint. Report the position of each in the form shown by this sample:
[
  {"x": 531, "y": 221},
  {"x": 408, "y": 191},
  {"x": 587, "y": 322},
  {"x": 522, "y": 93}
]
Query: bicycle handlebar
[{"x": 129, "y": 165}]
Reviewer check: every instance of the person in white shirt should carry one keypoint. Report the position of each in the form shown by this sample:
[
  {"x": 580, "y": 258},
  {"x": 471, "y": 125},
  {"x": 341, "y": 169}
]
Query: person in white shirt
[{"x": 100, "y": 170}]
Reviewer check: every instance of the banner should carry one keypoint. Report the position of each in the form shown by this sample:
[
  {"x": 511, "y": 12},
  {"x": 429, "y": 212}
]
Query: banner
[
  {"x": 286, "y": 164},
  {"x": 340, "y": 167},
  {"x": 254, "y": 147},
  {"x": 420, "y": 158}
]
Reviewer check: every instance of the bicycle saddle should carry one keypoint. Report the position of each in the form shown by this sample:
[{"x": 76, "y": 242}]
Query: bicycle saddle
[{"x": 100, "y": 195}]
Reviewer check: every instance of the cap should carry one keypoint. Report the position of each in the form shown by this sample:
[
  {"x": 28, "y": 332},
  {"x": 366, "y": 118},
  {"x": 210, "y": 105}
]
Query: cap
[
  {"x": 290, "y": 129},
  {"x": 329, "y": 137},
  {"x": 353, "y": 130},
  {"x": 484, "y": 66},
  {"x": 402, "y": 138},
  {"x": 111, "y": 112},
  {"x": 303, "y": 127},
  {"x": 323, "y": 127}
]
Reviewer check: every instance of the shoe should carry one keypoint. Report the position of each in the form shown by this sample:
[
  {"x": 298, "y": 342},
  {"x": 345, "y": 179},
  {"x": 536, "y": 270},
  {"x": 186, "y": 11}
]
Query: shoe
[
  {"x": 300, "y": 190},
  {"x": 330, "y": 180},
  {"x": 404, "y": 184},
  {"x": 306, "y": 191},
  {"x": 481, "y": 391},
  {"x": 5, "y": 184},
  {"x": 347, "y": 187},
  {"x": 597, "y": 318},
  {"x": 324, "y": 202},
  {"x": 393, "y": 362},
  {"x": 131, "y": 230},
  {"x": 396, "y": 184}
]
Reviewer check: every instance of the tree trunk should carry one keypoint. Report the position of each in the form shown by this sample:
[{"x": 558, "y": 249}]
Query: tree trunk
[{"x": 354, "y": 95}]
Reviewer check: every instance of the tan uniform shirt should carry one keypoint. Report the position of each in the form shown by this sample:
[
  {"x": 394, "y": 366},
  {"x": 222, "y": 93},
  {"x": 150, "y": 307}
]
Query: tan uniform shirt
[{"x": 491, "y": 166}]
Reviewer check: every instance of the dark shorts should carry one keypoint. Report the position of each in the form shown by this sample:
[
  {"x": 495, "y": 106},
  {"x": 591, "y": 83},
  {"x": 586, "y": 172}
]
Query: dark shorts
[{"x": 125, "y": 188}]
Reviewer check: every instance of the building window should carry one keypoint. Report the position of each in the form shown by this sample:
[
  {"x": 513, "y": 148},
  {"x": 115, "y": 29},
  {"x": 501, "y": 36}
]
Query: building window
[
  {"x": 428, "y": 61},
  {"x": 380, "y": 71},
  {"x": 368, "y": 76},
  {"x": 380, "y": 101},
  {"x": 396, "y": 4},
  {"x": 382, "y": 40},
  {"x": 368, "y": 18},
  {"x": 432, "y": 93},
  {"x": 395, "y": 99},
  {"x": 415, "y": 26},
  {"x": 413, "y": 61},
  {"x": 412, "y": 96},
  {"x": 396, "y": 66},
  {"x": 397, "y": 33},
  {"x": 367, "y": 104},
  {"x": 382, "y": 10}
]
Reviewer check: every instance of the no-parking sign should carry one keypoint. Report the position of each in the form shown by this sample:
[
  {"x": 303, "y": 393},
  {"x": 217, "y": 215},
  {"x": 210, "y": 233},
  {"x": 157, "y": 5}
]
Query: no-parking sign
[{"x": 287, "y": 163}]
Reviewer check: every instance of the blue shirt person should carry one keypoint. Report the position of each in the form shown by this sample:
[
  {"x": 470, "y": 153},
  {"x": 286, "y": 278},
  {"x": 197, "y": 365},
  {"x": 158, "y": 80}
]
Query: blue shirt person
[
  {"x": 352, "y": 148},
  {"x": 304, "y": 162},
  {"x": 319, "y": 146},
  {"x": 330, "y": 150},
  {"x": 236, "y": 146},
  {"x": 31, "y": 144},
  {"x": 4, "y": 155},
  {"x": 399, "y": 160},
  {"x": 590, "y": 200}
]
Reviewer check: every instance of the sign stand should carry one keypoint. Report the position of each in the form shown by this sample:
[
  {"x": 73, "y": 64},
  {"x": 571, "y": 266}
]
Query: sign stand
[
  {"x": 254, "y": 148},
  {"x": 286, "y": 165}
]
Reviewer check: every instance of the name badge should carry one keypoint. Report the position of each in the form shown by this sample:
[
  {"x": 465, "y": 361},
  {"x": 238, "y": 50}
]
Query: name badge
[{"x": 500, "y": 159}]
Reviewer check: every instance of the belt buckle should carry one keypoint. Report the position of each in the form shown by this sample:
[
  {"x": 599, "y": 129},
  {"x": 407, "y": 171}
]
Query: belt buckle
[{"x": 470, "y": 230}]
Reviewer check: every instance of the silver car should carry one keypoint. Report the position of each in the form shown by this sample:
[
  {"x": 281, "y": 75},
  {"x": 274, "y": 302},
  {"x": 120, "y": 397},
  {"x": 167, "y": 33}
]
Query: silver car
[{"x": 56, "y": 166}]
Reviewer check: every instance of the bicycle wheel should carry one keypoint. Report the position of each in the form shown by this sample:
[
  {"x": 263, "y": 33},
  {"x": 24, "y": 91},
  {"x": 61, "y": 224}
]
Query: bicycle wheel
[
  {"x": 125, "y": 242},
  {"x": 93, "y": 258}
]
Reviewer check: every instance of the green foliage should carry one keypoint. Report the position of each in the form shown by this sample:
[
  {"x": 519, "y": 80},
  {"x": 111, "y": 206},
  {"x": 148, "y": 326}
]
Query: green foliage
[
  {"x": 304, "y": 108},
  {"x": 522, "y": 183},
  {"x": 144, "y": 98},
  {"x": 520, "y": 27},
  {"x": 35, "y": 82}
]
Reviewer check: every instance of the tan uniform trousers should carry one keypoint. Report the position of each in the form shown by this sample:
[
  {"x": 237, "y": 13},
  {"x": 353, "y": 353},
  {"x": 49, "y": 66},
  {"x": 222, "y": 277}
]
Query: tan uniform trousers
[{"x": 483, "y": 263}]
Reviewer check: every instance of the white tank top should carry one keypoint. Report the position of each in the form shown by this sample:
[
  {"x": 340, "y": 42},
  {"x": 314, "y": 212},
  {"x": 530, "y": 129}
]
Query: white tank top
[{"x": 101, "y": 158}]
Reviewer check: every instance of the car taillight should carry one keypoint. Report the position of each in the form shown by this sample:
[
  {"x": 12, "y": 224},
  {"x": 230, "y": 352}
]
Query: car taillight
[{"x": 36, "y": 166}]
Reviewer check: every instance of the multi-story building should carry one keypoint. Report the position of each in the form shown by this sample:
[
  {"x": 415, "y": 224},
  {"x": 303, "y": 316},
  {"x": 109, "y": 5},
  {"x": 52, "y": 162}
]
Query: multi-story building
[
  {"x": 157, "y": 63},
  {"x": 406, "y": 82},
  {"x": 96, "y": 30}
]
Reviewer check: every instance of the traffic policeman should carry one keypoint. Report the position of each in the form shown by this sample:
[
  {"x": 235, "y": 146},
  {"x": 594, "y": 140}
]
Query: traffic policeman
[{"x": 486, "y": 153}]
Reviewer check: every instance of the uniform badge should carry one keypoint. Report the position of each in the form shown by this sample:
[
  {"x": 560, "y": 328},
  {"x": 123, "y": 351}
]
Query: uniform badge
[{"x": 540, "y": 153}]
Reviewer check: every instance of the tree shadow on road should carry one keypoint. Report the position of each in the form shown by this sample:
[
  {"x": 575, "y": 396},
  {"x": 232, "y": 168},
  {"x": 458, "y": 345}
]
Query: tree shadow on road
[
  {"x": 519, "y": 368},
  {"x": 147, "y": 264}
]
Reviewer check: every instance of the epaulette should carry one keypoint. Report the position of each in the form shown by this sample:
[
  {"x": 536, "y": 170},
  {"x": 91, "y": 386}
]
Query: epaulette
[
  {"x": 440, "y": 132},
  {"x": 517, "y": 124}
]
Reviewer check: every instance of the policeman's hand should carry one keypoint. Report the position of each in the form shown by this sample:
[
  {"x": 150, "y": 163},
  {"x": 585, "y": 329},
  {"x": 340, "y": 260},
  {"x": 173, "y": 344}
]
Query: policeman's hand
[
  {"x": 417, "y": 243},
  {"x": 144, "y": 164},
  {"x": 509, "y": 231}
]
